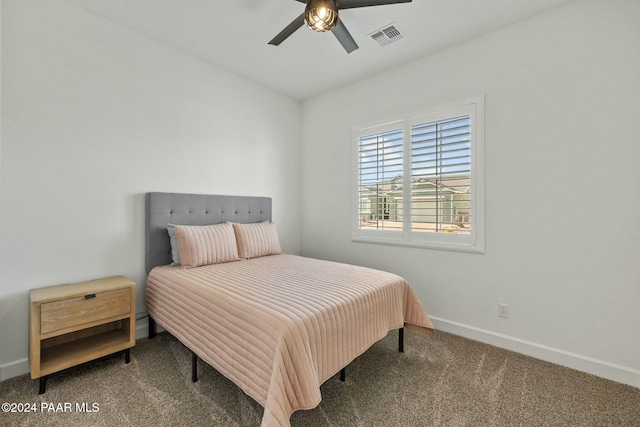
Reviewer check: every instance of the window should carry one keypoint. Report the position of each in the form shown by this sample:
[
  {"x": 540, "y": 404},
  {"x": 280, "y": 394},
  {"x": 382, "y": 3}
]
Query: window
[{"x": 420, "y": 180}]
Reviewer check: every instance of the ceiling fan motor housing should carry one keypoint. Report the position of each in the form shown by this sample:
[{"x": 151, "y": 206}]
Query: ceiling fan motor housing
[{"x": 321, "y": 15}]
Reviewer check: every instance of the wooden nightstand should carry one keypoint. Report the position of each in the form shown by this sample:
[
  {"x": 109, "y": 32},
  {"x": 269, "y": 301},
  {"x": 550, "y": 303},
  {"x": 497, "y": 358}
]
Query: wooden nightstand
[{"x": 75, "y": 323}]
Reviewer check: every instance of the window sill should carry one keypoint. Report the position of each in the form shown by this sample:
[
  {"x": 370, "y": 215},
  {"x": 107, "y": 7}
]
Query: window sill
[{"x": 456, "y": 247}]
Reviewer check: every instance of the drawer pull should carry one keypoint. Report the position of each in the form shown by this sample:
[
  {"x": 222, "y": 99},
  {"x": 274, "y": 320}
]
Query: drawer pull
[{"x": 89, "y": 296}]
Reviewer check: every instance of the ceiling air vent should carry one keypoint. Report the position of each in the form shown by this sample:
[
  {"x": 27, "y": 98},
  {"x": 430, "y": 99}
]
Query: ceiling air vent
[{"x": 387, "y": 35}]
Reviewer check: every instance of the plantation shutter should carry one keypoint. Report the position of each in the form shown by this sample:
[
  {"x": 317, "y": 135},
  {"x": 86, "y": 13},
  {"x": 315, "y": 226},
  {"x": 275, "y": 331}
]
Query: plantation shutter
[
  {"x": 380, "y": 175},
  {"x": 441, "y": 176},
  {"x": 419, "y": 181}
]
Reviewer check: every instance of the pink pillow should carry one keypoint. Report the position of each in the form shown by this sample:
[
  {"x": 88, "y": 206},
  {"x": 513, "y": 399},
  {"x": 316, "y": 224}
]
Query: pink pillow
[
  {"x": 206, "y": 244},
  {"x": 256, "y": 240}
]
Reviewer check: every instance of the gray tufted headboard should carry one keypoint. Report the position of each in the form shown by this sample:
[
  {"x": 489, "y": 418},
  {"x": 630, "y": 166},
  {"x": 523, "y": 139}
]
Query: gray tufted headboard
[{"x": 194, "y": 209}]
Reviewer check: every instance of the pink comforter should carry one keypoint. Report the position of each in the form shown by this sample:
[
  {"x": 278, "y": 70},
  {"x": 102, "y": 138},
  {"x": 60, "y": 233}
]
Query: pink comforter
[{"x": 279, "y": 326}]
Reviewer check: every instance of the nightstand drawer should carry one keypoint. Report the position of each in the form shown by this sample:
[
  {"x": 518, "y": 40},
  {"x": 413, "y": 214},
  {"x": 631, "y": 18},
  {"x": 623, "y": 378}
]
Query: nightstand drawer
[{"x": 76, "y": 311}]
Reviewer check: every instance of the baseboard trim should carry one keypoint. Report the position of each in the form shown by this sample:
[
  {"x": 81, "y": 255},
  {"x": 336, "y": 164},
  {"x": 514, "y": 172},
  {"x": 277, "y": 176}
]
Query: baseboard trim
[
  {"x": 21, "y": 366},
  {"x": 142, "y": 328},
  {"x": 14, "y": 369},
  {"x": 600, "y": 368}
]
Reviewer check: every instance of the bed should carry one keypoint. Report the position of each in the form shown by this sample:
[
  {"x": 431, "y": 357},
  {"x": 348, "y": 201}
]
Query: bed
[{"x": 275, "y": 324}]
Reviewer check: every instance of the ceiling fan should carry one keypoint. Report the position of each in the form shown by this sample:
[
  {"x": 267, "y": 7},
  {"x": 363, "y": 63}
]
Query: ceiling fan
[{"x": 322, "y": 15}]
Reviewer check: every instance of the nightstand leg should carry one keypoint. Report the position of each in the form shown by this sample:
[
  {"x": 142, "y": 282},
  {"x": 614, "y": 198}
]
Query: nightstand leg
[
  {"x": 43, "y": 381},
  {"x": 127, "y": 356}
]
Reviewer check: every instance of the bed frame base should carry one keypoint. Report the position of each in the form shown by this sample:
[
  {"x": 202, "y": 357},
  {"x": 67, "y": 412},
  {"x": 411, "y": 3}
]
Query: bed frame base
[
  {"x": 194, "y": 367},
  {"x": 194, "y": 357},
  {"x": 152, "y": 328},
  {"x": 343, "y": 371}
]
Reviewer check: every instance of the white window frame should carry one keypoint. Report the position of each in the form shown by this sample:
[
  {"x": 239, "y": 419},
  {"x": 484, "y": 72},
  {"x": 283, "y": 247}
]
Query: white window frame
[{"x": 472, "y": 242}]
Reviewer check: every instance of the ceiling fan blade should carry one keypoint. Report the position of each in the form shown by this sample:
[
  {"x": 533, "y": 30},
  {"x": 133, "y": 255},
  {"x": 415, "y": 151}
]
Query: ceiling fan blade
[
  {"x": 344, "y": 37},
  {"x": 289, "y": 29},
  {"x": 351, "y": 4}
]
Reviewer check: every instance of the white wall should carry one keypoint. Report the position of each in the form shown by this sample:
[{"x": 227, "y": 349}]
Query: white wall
[
  {"x": 562, "y": 199},
  {"x": 94, "y": 116}
]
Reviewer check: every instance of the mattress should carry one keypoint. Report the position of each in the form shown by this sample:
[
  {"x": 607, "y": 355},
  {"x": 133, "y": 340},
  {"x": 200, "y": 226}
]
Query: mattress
[{"x": 279, "y": 326}]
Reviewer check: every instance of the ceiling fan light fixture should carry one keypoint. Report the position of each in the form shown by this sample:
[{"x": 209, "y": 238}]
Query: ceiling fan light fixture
[{"x": 321, "y": 15}]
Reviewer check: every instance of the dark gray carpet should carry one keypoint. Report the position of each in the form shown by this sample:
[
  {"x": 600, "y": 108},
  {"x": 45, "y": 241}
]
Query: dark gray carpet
[{"x": 442, "y": 380}]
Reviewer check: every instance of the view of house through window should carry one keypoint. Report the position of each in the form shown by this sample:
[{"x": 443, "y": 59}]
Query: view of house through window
[
  {"x": 381, "y": 169},
  {"x": 416, "y": 178},
  {"x": 441, "y": 176}
]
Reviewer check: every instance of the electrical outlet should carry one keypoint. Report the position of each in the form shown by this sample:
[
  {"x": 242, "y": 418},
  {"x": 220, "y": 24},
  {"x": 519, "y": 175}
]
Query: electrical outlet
[{"x": 503, "y": 310}]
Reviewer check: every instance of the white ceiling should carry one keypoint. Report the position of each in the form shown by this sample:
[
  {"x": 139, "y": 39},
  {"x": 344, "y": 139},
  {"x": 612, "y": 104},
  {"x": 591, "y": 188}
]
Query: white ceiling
[{"x": 233, "y": 35}]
